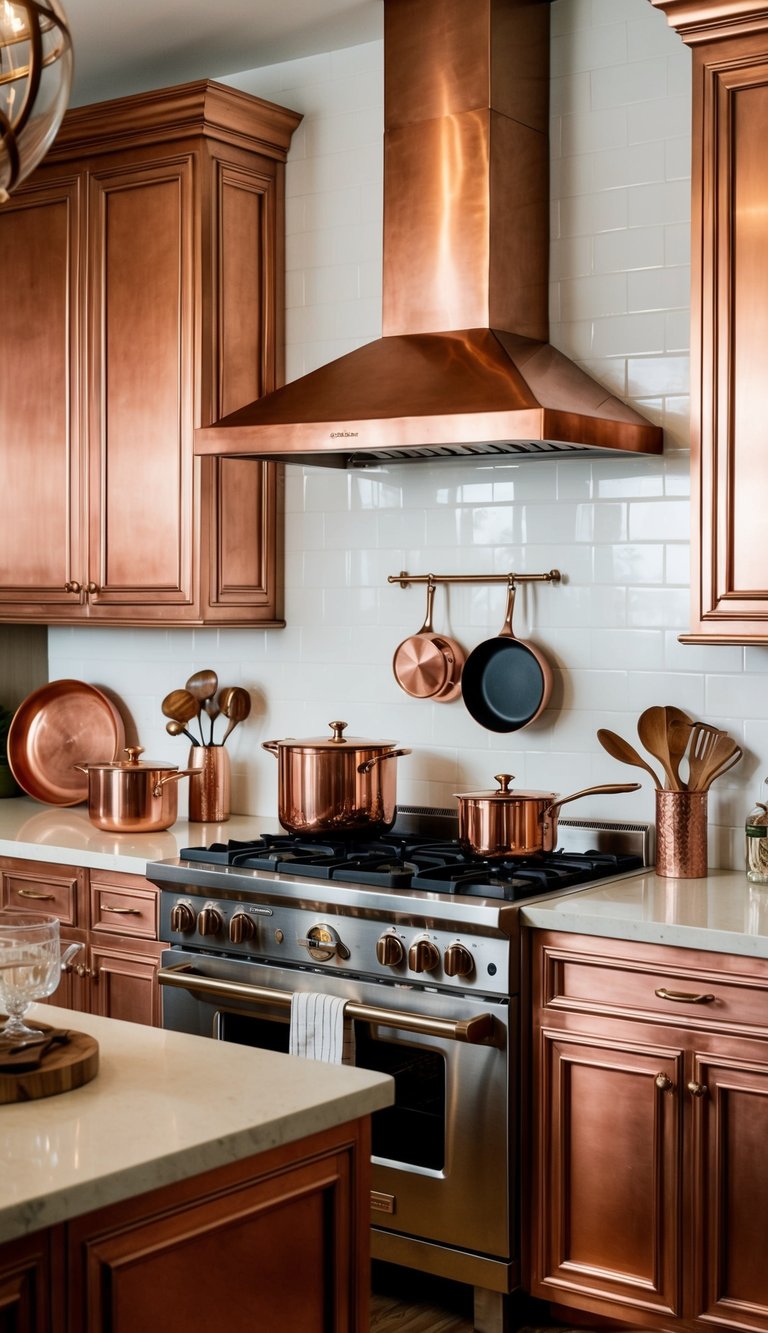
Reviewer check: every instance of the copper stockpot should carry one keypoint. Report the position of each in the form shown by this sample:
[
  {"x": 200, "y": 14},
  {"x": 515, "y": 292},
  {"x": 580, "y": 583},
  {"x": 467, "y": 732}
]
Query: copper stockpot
[
  {"x": 335, "y": 784},
  {"x": 515, "y": 823},
  {"x": 133, "y": 796}
]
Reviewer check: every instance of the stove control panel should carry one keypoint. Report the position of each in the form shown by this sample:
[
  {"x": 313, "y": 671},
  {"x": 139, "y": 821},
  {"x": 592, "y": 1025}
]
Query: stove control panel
[{"x": 425, "y": 954}]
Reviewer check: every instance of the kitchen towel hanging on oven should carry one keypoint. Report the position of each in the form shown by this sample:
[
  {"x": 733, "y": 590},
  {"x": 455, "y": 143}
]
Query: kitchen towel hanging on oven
[{"x": 319, "y": 1030}]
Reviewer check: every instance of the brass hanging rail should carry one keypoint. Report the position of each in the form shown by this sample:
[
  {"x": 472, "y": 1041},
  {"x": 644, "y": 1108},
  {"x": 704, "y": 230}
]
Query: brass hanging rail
[{"x": 405, "y": 579}]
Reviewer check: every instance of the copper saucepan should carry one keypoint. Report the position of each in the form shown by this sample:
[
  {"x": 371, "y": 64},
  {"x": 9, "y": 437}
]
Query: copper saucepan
[
  {"x": 506, "y": 683},
  {"x": 133, "y": 796},
  {"x": 516, "y": 823},
  {"x": 428, "y": 665},
  {"x": 335, "y": 784}
]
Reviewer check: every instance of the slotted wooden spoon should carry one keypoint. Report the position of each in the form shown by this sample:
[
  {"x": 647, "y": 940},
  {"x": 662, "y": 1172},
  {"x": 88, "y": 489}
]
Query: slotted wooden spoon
[
  {"x": 718, "y": 753},
  {"x": 703, "y": 739}
]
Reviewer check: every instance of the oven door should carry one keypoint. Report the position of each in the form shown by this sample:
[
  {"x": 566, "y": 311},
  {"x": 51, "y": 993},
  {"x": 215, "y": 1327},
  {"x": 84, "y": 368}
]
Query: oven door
[{"x": 441, "y": 1154}]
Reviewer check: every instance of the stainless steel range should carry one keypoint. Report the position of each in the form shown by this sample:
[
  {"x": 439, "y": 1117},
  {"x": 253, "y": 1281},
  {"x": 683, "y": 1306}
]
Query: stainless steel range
[{"x": 422, "y": 941}]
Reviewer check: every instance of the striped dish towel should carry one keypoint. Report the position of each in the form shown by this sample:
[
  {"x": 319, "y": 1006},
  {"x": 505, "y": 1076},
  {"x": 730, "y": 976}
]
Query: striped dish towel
[{"x": 319, "y": 1030}]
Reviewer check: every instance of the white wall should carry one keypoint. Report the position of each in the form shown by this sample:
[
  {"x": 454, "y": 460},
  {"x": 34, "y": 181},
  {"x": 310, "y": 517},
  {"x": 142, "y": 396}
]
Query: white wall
[{"x": 618, "y": 529}]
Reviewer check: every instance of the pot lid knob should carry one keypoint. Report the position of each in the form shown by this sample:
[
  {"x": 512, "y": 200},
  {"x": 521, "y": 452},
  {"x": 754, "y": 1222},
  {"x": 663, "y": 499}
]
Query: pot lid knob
[
  {"x": 503, "y": 780},
  {"x": 338, "y": 729},
  {"x": 133, "y": 752}
]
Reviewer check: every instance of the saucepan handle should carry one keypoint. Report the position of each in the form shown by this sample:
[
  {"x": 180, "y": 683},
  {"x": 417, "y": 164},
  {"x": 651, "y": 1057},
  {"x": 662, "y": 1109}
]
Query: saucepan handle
[{"x": 612, "y": 789}]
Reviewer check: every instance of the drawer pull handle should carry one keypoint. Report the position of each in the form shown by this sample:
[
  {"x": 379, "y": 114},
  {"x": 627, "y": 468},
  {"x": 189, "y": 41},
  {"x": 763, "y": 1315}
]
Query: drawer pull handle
[
  {"x": 664, "y": 1083},
  {"x": 684, "y": 996},
  {"x": 32, "y": 893},
  {"x": 697, "y": 1089},
  {"x": 121, "y": 911}
]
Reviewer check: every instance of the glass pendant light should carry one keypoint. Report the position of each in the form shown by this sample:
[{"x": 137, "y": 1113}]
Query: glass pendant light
[{"x": 35, "y": 79}]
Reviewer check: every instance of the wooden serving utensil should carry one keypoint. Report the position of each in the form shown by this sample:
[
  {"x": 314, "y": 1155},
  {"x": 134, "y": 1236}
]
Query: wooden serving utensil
[
  {"x": 703, "y": 738},
  {"x": 202, "y": 685},
  {"x": 175, "y": 728},
  {"x": 722, "y": 752},
  {"x": 620, "y": 749},
  {"x": 180, "y": 706},
  {"x": 235, "y": 704},
  {"x": 653, "y": 727}
]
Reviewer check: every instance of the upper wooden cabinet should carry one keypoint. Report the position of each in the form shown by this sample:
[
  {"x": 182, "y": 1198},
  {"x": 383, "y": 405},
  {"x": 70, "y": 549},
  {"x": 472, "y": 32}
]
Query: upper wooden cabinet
[
  {"x": 142, "y": 272},
  {"x": 729, "y": 316}
]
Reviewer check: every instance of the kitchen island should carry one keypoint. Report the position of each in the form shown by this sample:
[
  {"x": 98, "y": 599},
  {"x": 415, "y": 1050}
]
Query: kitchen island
[{"x": 195, "y": 1180}]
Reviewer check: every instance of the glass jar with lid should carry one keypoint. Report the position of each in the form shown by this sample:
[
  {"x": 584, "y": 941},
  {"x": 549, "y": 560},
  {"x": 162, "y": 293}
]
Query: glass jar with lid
[{"x": 756, "y": 840}]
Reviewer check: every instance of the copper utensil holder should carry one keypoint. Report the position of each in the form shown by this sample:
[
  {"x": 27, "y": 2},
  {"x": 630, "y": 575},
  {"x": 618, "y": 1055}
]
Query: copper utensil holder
[
  {"x": 681, "y": 834},
  {"x": 210, "y": 785}
]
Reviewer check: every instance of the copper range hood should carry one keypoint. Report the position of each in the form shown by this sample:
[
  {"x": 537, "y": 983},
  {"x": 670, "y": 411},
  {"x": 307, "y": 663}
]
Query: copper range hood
[{"x": 464, "y": 367}]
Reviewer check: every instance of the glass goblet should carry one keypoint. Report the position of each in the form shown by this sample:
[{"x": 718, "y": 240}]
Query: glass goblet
[{"x": 30, "y": 968}]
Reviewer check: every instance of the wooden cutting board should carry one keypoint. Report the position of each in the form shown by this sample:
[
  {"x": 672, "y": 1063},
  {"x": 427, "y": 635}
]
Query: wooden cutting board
[{"x": 62, "y": 1068}]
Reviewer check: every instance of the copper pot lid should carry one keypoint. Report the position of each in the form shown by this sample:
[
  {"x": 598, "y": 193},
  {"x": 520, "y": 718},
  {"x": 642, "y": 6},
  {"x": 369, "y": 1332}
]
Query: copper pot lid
[
  {"x": 133, "y": 764},
  {"x": 505, "y": 792},
  {"x": 335, "y": 741}
]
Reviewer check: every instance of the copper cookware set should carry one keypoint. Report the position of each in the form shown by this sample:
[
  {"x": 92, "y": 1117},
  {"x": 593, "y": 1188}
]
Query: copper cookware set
[{"x": 511, "y": 823}]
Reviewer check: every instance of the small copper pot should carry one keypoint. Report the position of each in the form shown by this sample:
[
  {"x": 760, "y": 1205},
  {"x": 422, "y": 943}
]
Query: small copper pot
[
  {"x": 516, "y": 823},
  {"x": 133, "y": 796},
  {"x": 335, "y": 784}
]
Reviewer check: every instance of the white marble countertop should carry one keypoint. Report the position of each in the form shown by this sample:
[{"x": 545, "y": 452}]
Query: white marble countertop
[
  {"x": 722, "y": 912},
  {"x": 163, "y": 1106},
  {"x": 64, "y": 835}
]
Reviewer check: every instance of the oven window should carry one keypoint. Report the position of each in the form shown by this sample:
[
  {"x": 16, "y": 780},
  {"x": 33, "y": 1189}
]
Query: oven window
[
  {"x": 413, "y": 1130},
  {"x": 268, "y": 1034}
]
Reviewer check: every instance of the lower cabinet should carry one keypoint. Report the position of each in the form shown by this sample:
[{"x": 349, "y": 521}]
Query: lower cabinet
[
  {"x": 275, "y": 1242},
  {"x": 649, "y": 1118},
  {"x": 114, "y": 916}
]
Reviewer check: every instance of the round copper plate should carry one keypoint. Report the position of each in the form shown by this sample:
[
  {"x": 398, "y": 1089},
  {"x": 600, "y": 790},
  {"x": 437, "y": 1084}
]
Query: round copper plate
[{"x": 62, "y": 724}]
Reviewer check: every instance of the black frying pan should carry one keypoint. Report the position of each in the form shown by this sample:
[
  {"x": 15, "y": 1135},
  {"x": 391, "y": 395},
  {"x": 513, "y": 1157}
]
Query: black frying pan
[{"x": 505, "y": 683}]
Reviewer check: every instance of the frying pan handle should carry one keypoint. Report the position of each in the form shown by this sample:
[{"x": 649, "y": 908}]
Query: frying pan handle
[
  {"x": 589, "y": 791},
  {"x": 368, "y": 764},
  {"x": 506, "y": 631},
  {"x": 427, "y": 627}
]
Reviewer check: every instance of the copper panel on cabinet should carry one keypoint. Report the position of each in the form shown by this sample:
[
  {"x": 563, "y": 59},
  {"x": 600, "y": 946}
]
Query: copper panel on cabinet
[{"x": 39, "y": 261}]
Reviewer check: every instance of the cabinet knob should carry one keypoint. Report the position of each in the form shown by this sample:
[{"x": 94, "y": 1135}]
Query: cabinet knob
[
  {"x": 697, "y": 1089},
  {"x": 664, "y": 1082},
  {"x": 73, "y": 586},
  {"x": 91, "y": 587},
  {"x": 83, "y": 971}
]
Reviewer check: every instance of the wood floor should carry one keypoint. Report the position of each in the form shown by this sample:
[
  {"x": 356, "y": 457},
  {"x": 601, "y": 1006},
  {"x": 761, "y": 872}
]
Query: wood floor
[{"x": 405, "y": 1302}]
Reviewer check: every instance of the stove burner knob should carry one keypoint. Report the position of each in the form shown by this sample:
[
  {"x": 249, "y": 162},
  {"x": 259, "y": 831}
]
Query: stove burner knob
[
  {"x": 458, "y": 961},
  {"x": 210, "y": 922},
  {"x": 423, "y": 956},
  {"x": 389, "y": 950},
  {"x": 182, "y": 918},
  {"x": 242, "y": 928}
]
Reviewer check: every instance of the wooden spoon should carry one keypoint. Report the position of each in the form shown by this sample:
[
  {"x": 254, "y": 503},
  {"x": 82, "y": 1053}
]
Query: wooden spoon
[
  {"x": 203, "y": 685},
  {"x": 653, "y": 729},
  {"x": 180, "y": 706},
  {"x": 620, "y": 749},
  {"x": 236, "y": 706},
  {"x": 716, "y": 752},
  {"x": 176, "y": 729}
]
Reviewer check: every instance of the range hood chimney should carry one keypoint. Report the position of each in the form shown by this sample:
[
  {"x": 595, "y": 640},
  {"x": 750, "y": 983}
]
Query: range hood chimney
[{"x": 464, "y": 367}]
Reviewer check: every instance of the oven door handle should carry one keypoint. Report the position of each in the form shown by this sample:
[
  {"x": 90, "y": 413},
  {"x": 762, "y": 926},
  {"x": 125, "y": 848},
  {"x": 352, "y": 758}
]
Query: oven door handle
[{"x": 481, "y": 1030}]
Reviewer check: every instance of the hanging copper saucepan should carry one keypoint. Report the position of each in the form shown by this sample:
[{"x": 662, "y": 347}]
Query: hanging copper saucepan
[
  {"x": 509, "y": 823},
  {"x": 506, "y": 683},
  {"x": 429, "y": 665}
]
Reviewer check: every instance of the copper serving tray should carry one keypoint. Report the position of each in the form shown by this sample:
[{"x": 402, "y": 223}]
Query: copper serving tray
[{"x": 58, "y": 726}]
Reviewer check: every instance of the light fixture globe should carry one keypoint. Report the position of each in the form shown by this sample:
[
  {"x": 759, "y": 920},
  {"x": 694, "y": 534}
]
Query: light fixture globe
[{"x": 35, "y": 79}]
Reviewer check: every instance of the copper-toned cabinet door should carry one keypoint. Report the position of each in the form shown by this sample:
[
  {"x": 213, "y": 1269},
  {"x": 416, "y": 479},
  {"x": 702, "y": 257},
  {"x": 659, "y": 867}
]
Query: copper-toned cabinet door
[
  {"x": 729, "y": 317},
  {"x": 152, "y": 304},
  {"x": 730, "y": 1185},
  {"x": 40, "y": 534},
  {"x": 607, "y": 1173}
]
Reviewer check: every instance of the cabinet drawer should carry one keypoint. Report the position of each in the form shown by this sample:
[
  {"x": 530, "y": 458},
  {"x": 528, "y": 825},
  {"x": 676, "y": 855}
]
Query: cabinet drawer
[
  {"x": 124, "y": 905},
  {"x": 687, "y": 987},
  {"x": 52, "y": 890}
]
